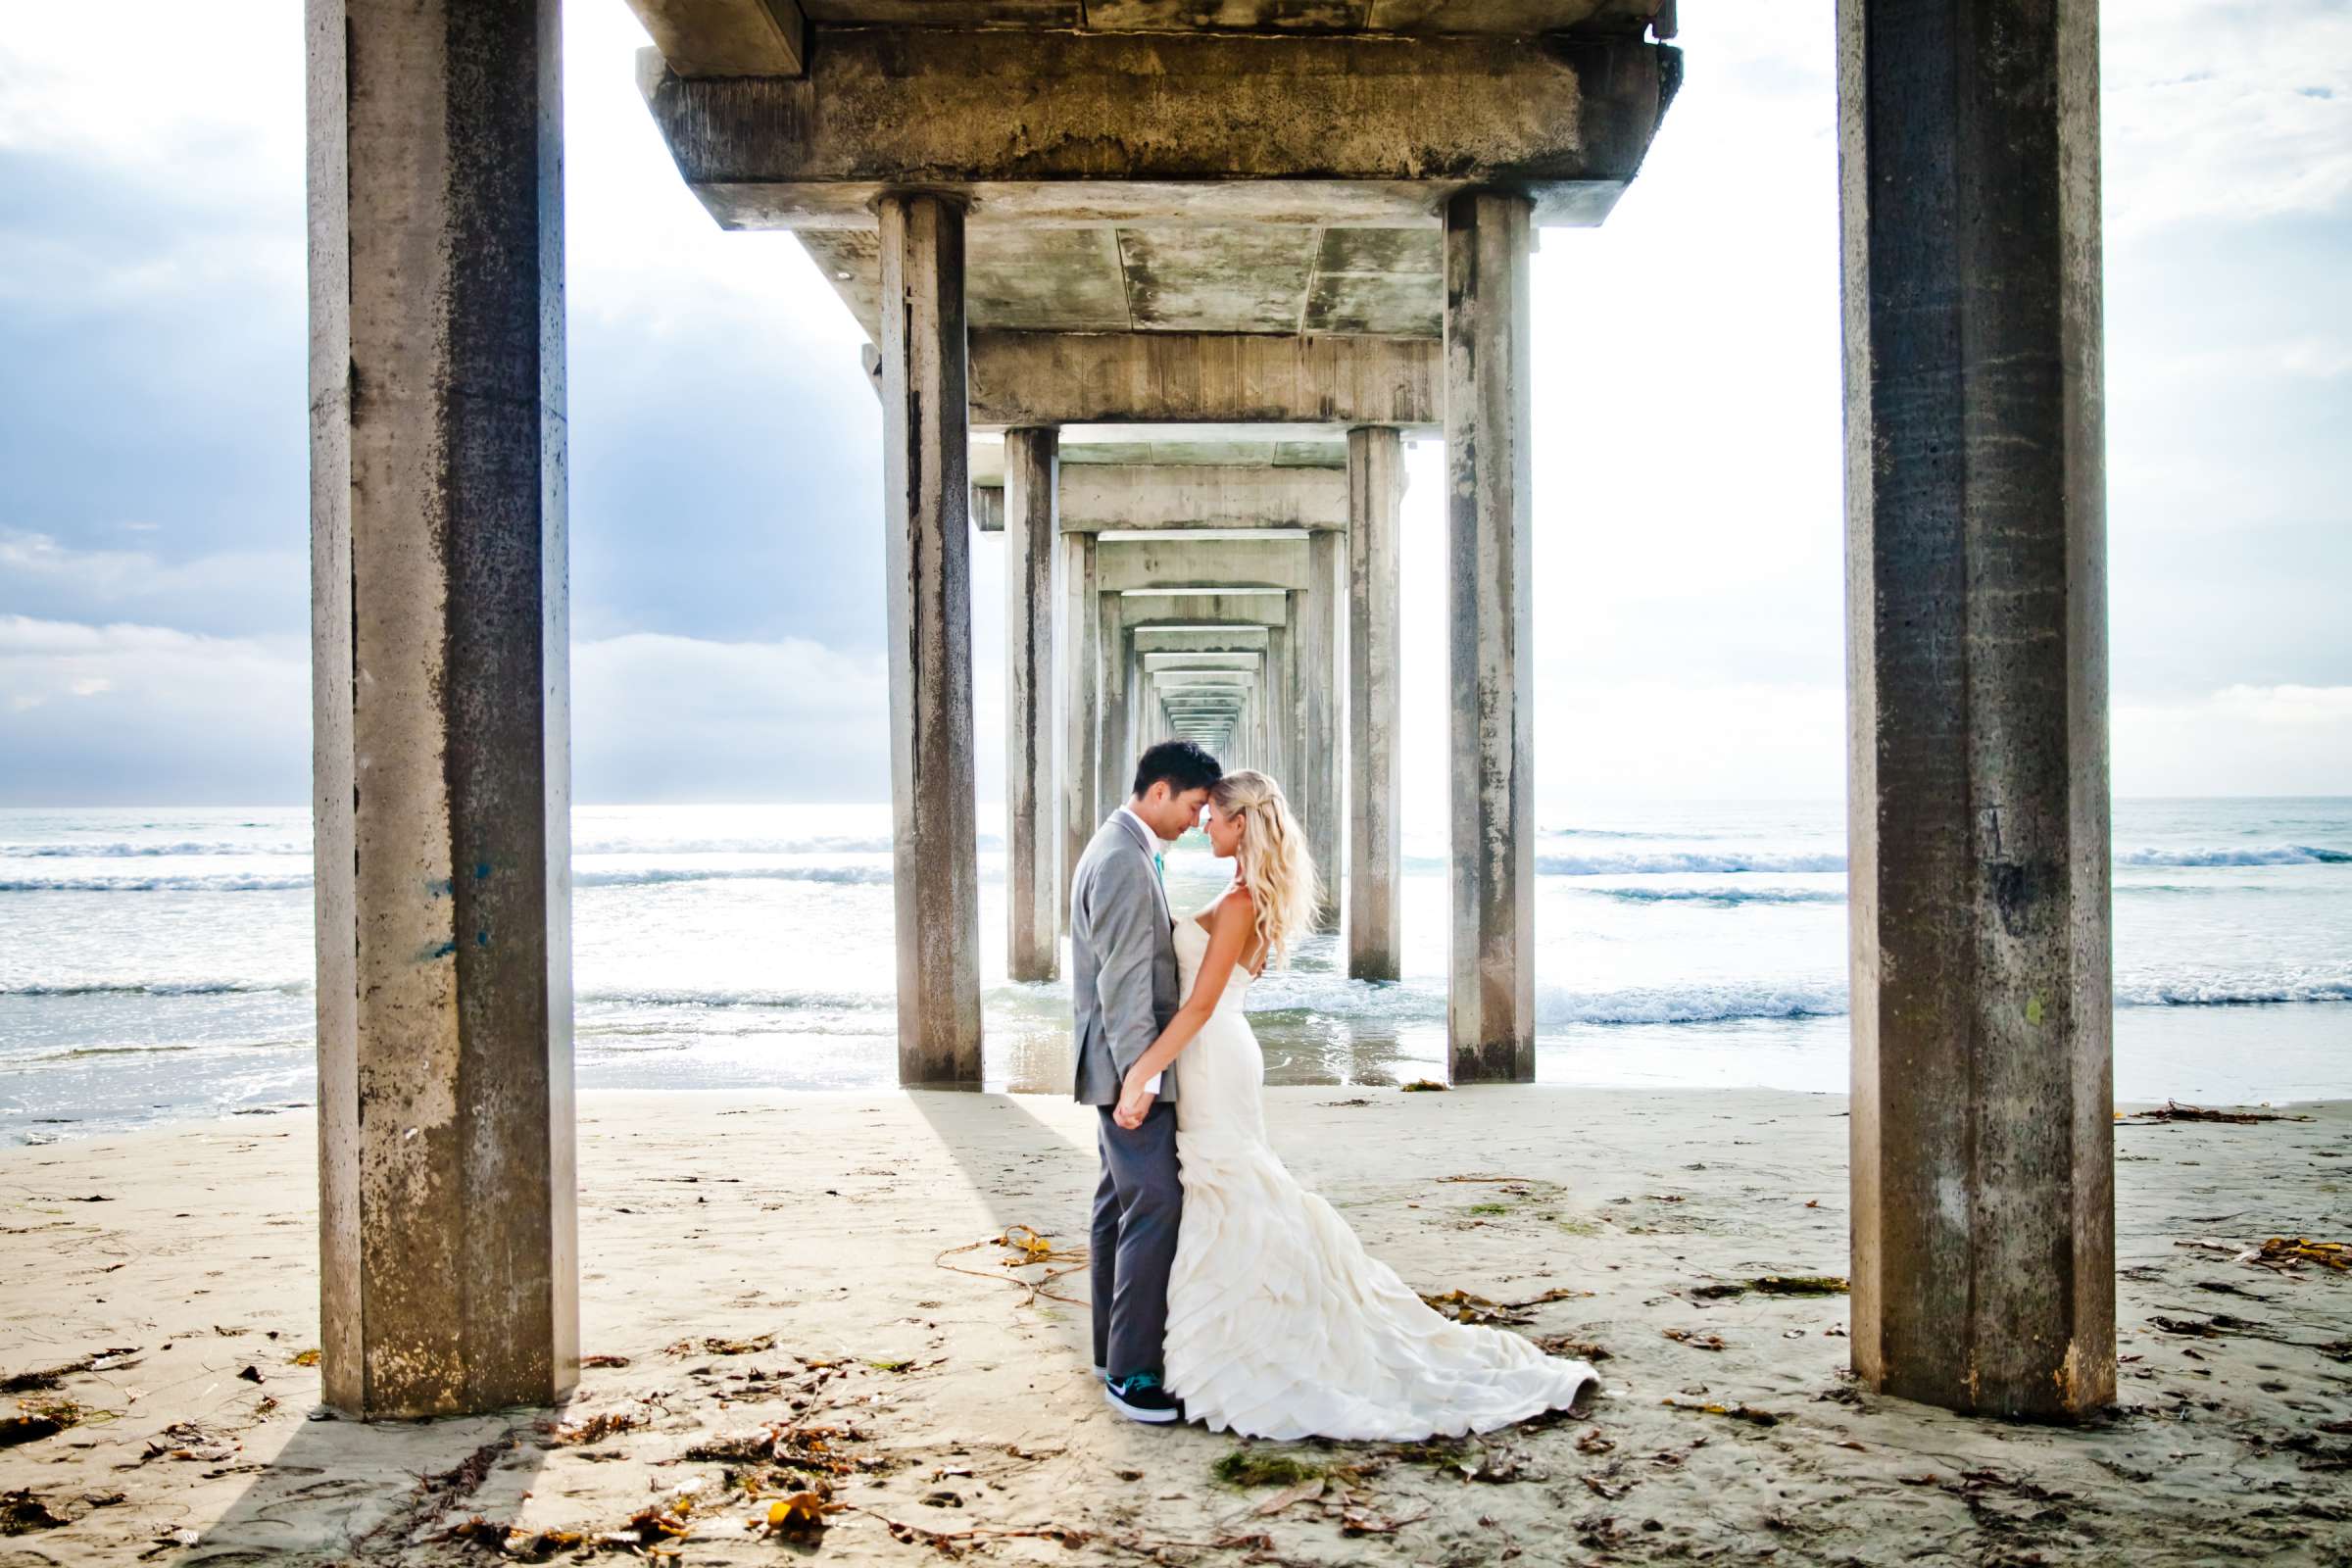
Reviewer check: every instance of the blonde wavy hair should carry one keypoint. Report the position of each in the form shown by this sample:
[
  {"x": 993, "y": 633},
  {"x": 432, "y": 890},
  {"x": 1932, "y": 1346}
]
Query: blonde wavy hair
[{"x": 1272, "y": 861}]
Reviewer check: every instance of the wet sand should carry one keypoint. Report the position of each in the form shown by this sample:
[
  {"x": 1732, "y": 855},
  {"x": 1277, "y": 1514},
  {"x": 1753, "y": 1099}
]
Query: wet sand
[{"x": 764, "y": 1291}]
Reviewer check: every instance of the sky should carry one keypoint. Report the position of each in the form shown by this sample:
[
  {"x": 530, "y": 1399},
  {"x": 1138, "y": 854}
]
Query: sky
[{"x": 725, "y": 451}]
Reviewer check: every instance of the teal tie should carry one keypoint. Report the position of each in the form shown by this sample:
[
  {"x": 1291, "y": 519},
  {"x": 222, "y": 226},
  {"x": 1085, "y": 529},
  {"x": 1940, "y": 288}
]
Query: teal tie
[{"x": 1159, "y": 871}]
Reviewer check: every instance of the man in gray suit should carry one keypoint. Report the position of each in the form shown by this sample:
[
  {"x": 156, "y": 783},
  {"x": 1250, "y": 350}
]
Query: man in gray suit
[{"x": 1123, "y": 993}]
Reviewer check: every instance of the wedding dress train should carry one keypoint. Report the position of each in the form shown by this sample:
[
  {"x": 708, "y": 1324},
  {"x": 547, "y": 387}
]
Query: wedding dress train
[{"x": 1280, "y": 1324}]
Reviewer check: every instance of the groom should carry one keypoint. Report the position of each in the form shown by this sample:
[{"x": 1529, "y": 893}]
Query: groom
[{"x": 1123, "y": 993}]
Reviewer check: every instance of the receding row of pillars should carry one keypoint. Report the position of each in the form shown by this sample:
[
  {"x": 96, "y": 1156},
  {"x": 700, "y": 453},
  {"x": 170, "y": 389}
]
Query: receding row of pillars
[{"x": 1982, "y": 1246}]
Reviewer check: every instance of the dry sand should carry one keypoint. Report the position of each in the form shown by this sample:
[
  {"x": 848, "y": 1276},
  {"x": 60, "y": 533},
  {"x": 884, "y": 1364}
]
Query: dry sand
[{"x": 807, "y": 1228}]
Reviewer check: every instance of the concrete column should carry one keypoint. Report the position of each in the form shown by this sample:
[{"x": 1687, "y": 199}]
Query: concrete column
[
  {"x": 1032, "y": 837},
  {"x": 1116, "y": 769},
  {"x": 1322, "y": 616},
  {"x": 1491, "y": 1001},
  {"x": 1282, "y": 717},
  {"x": 1375, "y": 831},
  {"x": 927, "y": 543},
  {"x": 1081, "y": 704},
  {"x": 440, "y": 717},
  {"x": 1984, "y": 1240}
]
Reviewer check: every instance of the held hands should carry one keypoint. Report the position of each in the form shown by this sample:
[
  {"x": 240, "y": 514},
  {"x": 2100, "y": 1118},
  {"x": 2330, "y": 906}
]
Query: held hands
[{"x": 1134, "y": 1102}]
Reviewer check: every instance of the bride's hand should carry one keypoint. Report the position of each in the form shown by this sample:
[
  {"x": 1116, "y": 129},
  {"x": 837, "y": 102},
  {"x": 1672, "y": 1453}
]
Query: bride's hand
[{"x": 1134, "y": 1101}]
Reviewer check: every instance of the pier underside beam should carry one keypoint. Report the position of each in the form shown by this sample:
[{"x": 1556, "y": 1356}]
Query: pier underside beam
[
  {"x": 1179, "y": 378},
  {"x": 441, "y": 739},
  {"x": 1982, "y": 1157},
  {"x": 1071, "y": 127}
]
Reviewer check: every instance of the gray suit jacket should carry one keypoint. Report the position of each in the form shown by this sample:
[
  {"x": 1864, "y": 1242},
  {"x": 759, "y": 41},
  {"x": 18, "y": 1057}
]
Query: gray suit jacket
[{"x": 1122, "y": 960}]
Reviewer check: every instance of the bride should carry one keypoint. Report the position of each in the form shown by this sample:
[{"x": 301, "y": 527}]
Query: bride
[{"x": 1280, "y": 1324}]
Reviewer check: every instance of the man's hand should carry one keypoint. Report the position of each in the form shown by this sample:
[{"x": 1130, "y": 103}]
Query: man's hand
[{"x": 1135, "y": 1100}]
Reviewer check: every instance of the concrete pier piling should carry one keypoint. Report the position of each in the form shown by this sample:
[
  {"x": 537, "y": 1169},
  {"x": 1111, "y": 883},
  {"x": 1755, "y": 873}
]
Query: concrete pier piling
[
  {"x": 1375, "y": 825},
  {"x": 1081, "y": 704},
  {"x": 448, "y": 1272},
  {"x": 1491, "y": 1001},
  {"x": 1983, "y": 1241},
  {"x": 1033, "y": 831},
  {"x": 926, "y": 539}
]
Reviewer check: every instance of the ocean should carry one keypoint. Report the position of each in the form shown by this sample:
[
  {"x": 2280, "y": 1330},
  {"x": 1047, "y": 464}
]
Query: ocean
[{"x": 157, "y": 963}]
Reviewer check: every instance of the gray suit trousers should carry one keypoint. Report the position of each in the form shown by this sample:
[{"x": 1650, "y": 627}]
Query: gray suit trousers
[{"x": 1138, "y": 1205}]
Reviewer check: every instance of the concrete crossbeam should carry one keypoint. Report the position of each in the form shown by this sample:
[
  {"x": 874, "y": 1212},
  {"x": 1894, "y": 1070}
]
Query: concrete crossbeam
[
  {"x": 1983, "y": 1140},
  {"x": 1062, "y": 378},
  {"x": 1158, "y": 564},
  {"x": 1156, "y": 663},
  {"x": 1153, "y": 640},
  {"x": 448, "y": 1257},
  {"x": 702, "y": 38},
  {"x": 1036, "y": 127},
  {"x": 1103, "y": 497}
]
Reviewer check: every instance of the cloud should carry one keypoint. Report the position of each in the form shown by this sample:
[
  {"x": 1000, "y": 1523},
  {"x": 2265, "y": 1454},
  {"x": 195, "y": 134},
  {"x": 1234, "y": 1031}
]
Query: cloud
[
  {"x": 140, "y": 714},
  {"x": 2239, "y": 740},
  {"x": 250, "y": 591},
  {"x": 2225, "y": 110}
]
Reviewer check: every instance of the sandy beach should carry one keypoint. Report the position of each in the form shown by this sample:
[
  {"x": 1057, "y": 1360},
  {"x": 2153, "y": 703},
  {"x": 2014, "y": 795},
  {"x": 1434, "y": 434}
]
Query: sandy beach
[{"x": 774, "y": 1303}]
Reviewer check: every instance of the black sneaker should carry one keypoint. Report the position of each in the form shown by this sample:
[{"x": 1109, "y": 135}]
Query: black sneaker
[{"x": 1140, "y": 1398}]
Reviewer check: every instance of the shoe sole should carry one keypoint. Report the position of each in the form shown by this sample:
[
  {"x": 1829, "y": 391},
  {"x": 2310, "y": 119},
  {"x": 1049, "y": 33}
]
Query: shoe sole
[{"x": 1146, "y": 1417}]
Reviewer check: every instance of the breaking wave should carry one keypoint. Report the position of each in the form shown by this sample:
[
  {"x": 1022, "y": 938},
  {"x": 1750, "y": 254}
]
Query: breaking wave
[
  {"x": 1671, "y": 863},
  {"x": 2267, "y": 855}
]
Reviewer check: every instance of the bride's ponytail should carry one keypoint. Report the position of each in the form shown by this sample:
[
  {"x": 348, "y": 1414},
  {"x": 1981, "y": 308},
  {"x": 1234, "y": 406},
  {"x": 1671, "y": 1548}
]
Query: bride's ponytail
[{"x": 1275, "y": 865}]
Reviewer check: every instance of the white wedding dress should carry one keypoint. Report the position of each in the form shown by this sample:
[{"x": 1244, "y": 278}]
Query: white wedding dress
[{"x": 1280, "y": 1324}]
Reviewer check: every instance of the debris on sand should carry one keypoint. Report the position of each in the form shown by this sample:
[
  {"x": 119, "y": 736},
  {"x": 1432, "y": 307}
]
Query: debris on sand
[
  {"x": 1737, "y": 1412},
  {"x": 2174, "y": 1110},
  {"x": 1695, "y": 1340},
  {"x": 596, "y": 1429},
  {"x": 1423, "y": 1086},
  {"x": 1772, "y": 1285}
]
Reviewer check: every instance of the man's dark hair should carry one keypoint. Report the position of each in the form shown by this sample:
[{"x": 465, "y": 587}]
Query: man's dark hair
[{"x": 1185, "y": 765}]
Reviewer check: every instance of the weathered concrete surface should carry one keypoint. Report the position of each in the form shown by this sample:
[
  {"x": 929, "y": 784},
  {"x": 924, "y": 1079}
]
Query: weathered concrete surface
[
  {"x": 1489, "y": 374},
  {"x": 1375, "y": 707},
  {"x": 1207, "y": 566},
  {"x": 1043, "y": 126},
  {"x": 1106, "y": 497},
  {"x": 1983, "y": 1241},
  {"x": 927, "y": 579},
  {"x": 1204, "y": 379},
  {"x": 727, "y": 37},
  {"x": 1081, "y": 648},
  {"x": 1032, "y": 829},
  {"x": 441, "y": 749}
]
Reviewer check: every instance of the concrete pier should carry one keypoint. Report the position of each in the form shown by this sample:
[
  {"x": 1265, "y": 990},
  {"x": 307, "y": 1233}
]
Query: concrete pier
[
  {"x": 1375, "y": 825},
  {"x": 448, "y": 1273},
  {"x": 1322, "y": 660},
  {"x": 1032, "y": 832},
  {"x": 1491, "y": 1001},
  {"x": 926, "y": 538},
  {"x": 1983, "y": 1241},
  {"x": 1081, "y": 704}
]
